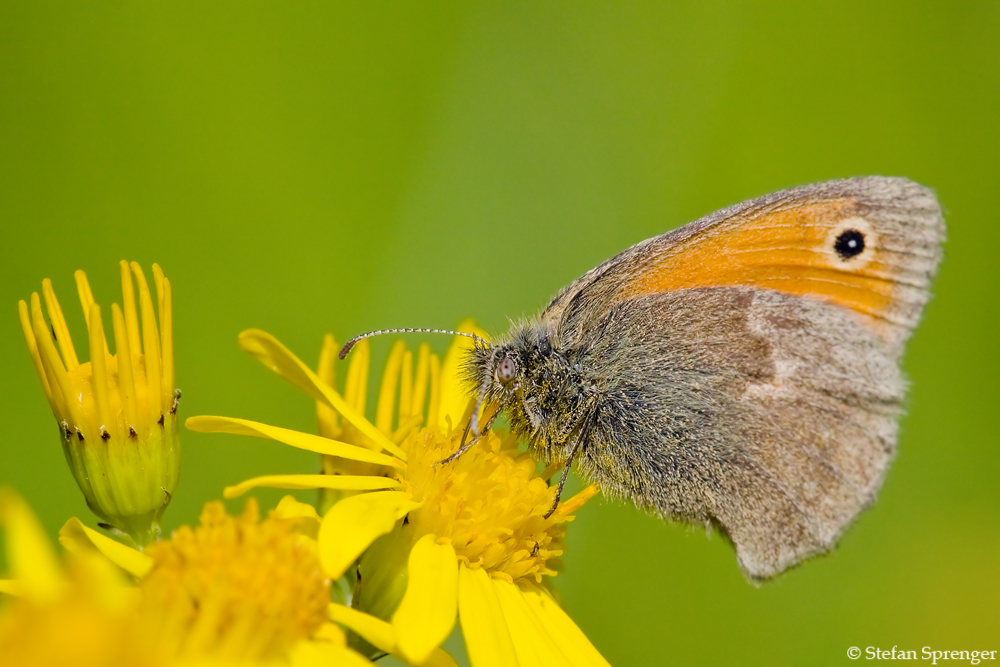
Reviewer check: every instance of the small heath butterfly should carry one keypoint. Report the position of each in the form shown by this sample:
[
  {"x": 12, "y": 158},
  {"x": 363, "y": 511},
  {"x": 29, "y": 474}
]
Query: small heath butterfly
[{"x": 741, "y": 371}]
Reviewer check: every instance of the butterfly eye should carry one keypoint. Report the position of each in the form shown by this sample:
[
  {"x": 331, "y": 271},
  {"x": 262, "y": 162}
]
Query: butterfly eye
[
  {"x": 506, "y": 370},
  {"x": 850, "y": 243}
]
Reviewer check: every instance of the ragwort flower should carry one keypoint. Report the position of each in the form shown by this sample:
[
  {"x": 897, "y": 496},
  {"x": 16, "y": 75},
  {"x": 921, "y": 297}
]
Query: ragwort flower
[
  {"x": 117, "y": 412},
  {"x": 470, "y": 537},
  {"x": 231, "y": 591}
]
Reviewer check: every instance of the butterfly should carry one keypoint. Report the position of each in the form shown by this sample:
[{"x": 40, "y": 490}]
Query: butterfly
[{"x": 740, "y": 372}]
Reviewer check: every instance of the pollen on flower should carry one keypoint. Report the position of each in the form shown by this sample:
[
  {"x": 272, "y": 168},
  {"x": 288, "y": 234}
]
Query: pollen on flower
[
  {"x": 490, "y": 504},
  {"x": 237, "y": 587}
]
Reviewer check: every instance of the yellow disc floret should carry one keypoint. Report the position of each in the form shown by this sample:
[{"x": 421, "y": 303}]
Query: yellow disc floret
[
  {"x": 489, "y": 503},
  {"x": 237, "y": 587}
]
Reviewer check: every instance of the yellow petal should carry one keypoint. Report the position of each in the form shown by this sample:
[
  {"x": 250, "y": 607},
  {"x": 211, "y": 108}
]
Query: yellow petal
[
  {"x": 76, "y": 537},
  {"x": 326, "y": 372},
  {"x": 104, "y": 578},
  {"x": 426, "y": 614},
  {"x": 59, "y": 325},
  {"x": 406, "y": 388},
  {"x": 346, "y": 482},
  {"x": 331, "y": 633},
  {"x": 484, "y": 627},
  {"x": 30, "y": 556},
  {"x": 532, "y": 642},
  {"x": 325, "y": 654},
  {"x": 150, "y": 343},
  {"x": 420, "y": 383},
  {"x": 267, "y": 350},
  {"x": 379, "y": 634},
  {"x": 11, "y": 587},
  {"x": 354, "y": 523},
  {"x": 305, "y": 514},
  {"x": 128, "y": 307},
  {"x": 29, "y": 338},
  {"x": 99, "y": 366},
  {"x": 167, "y": 340},
  {"x": 356, "y": 388},
  {"x": 434, "y": 409},
  {"x": 375, "y": 631},
  {"x": 405, "y": 428},
  {"x": 290, "y": 508},
  {"x": 561, "y": 628},
  {"x": 576, "y": 502},
  {"x": 307, "y": 441},
  {"x": 454, "y": 392},
  {"x": 387, "y": 390}
]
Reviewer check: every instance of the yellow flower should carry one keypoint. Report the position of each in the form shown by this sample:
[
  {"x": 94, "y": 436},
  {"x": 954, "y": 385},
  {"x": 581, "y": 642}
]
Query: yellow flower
[
  {"x": 234, "y": 590},
  {"x": 116, "y": 413},
  {"x": 468, "y": 538},
  {"x": 237, "y": 587},
  {"x": 83, "y": 614}
]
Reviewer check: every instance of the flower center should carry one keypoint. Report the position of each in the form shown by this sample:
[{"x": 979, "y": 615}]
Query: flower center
[
  {"x": 236, "y": 587},
  {"x": 489, "y": 503}
]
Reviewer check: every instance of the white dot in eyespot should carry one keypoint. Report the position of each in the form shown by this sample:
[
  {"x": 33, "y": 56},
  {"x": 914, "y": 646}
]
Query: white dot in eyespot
[{"x": 851, "y": 244}]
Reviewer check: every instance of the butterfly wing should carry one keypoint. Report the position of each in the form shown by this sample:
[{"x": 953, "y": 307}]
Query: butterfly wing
[
  {"x": 870, "y": 245},
  {"x": 748, "y": 362}
]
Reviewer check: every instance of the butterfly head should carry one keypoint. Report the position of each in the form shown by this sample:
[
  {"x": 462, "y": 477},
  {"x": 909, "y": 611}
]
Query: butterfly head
[
  {"x": 494, "y": 372},
  {"x": 514, "y": 369}
]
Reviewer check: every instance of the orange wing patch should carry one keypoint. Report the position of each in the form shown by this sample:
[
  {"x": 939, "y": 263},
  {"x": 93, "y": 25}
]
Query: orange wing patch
[{"x": 822, "y": 250}]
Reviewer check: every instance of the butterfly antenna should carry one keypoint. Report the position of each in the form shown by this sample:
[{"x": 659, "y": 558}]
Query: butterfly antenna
[{"x": 344, "y": 351}]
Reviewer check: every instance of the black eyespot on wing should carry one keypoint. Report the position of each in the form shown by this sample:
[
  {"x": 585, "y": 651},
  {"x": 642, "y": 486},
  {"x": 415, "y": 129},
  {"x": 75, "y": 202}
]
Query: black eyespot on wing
[{"x": 850, "y": 243}]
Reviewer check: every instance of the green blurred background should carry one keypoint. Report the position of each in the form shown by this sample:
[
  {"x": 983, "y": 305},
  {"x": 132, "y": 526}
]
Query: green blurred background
[{"x": 313, "y": 167}]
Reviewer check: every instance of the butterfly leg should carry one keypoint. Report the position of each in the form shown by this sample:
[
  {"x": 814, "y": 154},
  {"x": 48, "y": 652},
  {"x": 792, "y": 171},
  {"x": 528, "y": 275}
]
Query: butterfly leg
[
  {"x": 466, "y": 446},
  {"x": 581, "y": 436}
]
